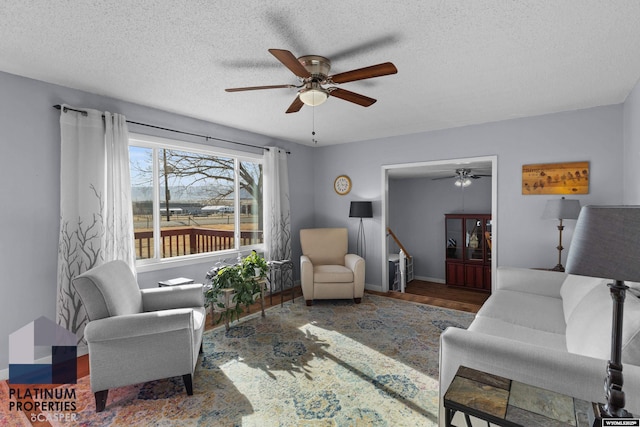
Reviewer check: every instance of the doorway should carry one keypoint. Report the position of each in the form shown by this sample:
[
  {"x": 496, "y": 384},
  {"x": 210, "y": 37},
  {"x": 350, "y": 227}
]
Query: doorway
[{"x": 421, "y": 188}]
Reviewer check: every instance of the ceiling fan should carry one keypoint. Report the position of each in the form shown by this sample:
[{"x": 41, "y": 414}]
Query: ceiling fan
[
  {"x": 463, "y": 177},
  {"x": 313, "y": 72}
]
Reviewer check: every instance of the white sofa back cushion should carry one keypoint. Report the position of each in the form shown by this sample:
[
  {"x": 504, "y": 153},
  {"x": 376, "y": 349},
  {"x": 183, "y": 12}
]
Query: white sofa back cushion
[
  {"x": 589, "y": 327},
  {"x": 574, "y": 289}
]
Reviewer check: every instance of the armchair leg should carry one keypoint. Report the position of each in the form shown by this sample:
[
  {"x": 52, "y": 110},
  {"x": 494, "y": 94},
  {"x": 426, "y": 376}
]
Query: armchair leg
[
  {"x": 357, "y": 300},
  {"x": 188, "y": 383},
  {"x": 101, "y": 399},
  {"x": 201, "y": 348},
  {"x": 309, "y": 302}
]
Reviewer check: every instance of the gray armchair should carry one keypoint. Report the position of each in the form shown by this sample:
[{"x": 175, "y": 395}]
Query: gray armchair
[
  {"x": 137, "y": 335},
  {"x": 327, "y": 271}
]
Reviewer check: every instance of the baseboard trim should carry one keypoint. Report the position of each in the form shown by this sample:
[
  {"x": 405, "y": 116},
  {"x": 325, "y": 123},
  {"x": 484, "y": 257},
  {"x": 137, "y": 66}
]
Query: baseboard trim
[{"x": 430, "y": 279}]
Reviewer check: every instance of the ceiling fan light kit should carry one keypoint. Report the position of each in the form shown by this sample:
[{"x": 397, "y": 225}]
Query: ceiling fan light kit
[
  {"x": 463, "y": 177},
  {"x": 314, "y": 95},
  {"x": 313, "y": 72},
  {"x": 462, "y": 182}
]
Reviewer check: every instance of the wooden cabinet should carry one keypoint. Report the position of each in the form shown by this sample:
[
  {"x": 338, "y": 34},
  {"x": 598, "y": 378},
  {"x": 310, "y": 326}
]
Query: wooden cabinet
[{"x": 468, "y": 252}]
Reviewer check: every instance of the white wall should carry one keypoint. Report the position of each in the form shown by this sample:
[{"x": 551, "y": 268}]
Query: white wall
[
  {"x": 416, "y": 216},
  {"x": 30, "y": 191},
  {"x": 632, "y": 147},
  {"x": 524, "y": 239}
]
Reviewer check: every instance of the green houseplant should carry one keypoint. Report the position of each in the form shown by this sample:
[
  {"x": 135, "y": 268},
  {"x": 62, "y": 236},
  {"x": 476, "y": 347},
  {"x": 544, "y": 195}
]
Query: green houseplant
[{"x": 234, "y": 286}]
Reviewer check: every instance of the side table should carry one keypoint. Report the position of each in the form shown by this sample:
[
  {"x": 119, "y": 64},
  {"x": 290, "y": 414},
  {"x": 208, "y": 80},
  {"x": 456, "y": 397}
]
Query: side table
[
  {"x": 279, "y": 271},
  {"x": 175, "y": 282},
  {"x": 509, "y": 403}
]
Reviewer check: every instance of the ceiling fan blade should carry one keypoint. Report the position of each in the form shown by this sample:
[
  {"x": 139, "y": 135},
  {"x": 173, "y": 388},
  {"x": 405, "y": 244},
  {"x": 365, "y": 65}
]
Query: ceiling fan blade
[
  {"x": 295, "y": 106},
  {"x": 240, "y": 89},
  {"x": 291, "y": 62},
  {"x": 356, "y": 98},
  {"x": 365, "y": 73},
  {"x": 444, "y": 177}
]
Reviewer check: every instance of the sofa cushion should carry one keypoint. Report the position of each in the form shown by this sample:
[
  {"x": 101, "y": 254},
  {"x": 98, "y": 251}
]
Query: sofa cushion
[
  {"x": 589, "y": 327},
  {"x": 573, "y": 290},
  {"x": 525, "y": 309},
  {"x": 519, "y": 333},
  {"x": 332, "y": 274}
]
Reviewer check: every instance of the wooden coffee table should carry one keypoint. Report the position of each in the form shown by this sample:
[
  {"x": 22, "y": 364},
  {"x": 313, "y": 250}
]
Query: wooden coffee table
[{"x": 508, "y": 403}]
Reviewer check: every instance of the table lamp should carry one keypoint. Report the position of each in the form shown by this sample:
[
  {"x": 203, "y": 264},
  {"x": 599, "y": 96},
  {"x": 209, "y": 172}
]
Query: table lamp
[
  {"x": 361, "y": 210},
  {"x": 561, "y": 209},
  {"x": 606, "y": 243}
]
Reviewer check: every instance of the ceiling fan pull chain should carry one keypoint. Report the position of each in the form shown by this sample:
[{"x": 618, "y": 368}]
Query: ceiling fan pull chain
[{"x": 313, "y": 125}]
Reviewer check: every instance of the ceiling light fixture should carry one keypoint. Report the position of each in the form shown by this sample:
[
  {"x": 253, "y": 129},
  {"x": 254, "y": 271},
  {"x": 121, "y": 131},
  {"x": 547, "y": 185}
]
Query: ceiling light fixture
[
  {"x": 462, "y": 182},
  {"x": 313, "y": 95}
]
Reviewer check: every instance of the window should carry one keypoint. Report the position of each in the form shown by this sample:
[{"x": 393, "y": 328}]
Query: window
[{"x": 190, "y": 199}]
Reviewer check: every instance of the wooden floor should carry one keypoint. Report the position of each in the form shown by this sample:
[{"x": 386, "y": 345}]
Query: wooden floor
[
  {"x": 440, "y": 295},
  {"x": 417, "y": 291}
]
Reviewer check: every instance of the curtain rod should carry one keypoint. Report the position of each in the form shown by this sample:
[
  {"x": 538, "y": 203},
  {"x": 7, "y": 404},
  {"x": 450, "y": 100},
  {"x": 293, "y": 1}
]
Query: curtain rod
[{"x": 206, "y": 137}]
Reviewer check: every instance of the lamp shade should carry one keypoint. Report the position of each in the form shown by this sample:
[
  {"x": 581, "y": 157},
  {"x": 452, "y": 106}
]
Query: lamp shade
[
  {"x": 606, "y": 243},
  {"x": 361, "y": 210},
  {"x": 561, "y": 209}
]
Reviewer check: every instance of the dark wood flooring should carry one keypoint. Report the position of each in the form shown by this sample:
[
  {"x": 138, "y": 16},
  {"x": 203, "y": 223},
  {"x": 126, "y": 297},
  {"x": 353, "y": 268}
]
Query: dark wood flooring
[{"x": 440, "y": 295}]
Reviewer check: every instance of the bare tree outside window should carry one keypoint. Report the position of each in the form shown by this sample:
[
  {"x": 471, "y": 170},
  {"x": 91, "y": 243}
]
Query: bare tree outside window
[{"x": 197, "y": 202}]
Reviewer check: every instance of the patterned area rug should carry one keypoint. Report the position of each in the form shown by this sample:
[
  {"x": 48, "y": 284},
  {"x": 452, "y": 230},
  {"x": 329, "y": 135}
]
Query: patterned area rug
[
  {"x": 9, "y": 417},
  {"x": 332, "y": 364}
]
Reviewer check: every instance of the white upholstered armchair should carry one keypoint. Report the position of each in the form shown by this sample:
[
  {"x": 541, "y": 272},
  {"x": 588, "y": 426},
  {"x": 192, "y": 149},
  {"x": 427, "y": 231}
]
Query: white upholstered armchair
[
  {"x": 327, "y": 271},
  {"x": 137, "y": 335}
]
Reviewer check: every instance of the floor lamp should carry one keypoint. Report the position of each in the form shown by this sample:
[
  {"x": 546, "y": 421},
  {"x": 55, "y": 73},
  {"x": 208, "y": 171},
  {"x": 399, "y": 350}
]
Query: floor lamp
[
  {"x": 361, "y": 210},
  {"x": 606, "y": 243},
  {"x": 561, "y": 209}
]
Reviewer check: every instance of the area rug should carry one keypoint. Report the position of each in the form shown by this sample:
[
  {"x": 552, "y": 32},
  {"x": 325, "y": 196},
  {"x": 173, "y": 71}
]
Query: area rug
[
  {"x": 9, "y": 416},
  {"x": 335, "y": 363}
]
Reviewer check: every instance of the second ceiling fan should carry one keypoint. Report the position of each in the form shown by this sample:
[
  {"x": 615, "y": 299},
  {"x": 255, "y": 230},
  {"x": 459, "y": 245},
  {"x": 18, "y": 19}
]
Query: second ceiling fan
[
  {"x": 313, "y": 71},
  {"x": 462, "y": 177}
]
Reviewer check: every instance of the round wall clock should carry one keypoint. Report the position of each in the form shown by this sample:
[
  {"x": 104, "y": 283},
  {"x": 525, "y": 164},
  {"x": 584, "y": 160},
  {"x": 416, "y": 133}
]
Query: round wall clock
[{"x": 342, "y": 185}]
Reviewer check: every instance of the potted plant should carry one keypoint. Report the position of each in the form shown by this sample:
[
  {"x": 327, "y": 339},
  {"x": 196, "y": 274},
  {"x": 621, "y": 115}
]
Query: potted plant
[
  {"x": 222, "y": 294},
  {"x": 254, "y": 265},
  {"x": 234, "y": 286}
]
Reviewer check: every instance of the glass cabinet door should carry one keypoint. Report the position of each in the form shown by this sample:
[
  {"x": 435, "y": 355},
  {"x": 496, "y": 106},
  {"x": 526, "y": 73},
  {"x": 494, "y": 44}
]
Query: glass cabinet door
[
  {"x": 474, "y": 239},
  {"x": 487, "y": 231},
  {"x": 454, "y": 238}
]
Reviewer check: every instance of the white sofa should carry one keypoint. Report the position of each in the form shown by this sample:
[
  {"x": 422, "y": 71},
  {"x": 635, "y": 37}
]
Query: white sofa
[{"x": 550, "y": 330}]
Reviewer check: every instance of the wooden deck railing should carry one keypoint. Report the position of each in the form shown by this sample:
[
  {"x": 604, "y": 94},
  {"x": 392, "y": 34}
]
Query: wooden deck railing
[{"x": 192, "y": 240}]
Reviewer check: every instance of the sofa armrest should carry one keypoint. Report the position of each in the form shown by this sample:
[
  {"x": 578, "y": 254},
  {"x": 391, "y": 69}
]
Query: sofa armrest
[
  {"x": 306, "y": 276},
  {"x": 540, "y": 282},
  {"x": 169, "y": 297},
  {"x": 139, "y": 324},
  {"x": 356, "y": 264},
  {"x": 568, "y": 373}
]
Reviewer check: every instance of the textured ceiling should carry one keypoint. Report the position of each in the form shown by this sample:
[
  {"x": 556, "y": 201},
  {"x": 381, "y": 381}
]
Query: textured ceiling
[{"x": 459, "y": 62}]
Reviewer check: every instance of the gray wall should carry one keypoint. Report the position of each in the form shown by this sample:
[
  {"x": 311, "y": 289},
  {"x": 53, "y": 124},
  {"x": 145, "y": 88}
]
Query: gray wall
[
  {"x": 416, "y": 216},
  {"x": 30, "y": 191},
  {"x": 632, "y": 147},
  {"x": 523, "y": 238},
  {"x": 29, "y": 182}
]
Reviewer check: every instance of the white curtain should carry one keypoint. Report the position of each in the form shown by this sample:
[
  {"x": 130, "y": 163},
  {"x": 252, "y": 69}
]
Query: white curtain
[
  {"x": 96, "y": 219},
  {"x": 276, "y": 182}
]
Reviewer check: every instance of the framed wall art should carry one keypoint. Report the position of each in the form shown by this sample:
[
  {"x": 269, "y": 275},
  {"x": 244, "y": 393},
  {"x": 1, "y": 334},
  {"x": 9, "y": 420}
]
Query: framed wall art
[{"x": 556, "y": 178}]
